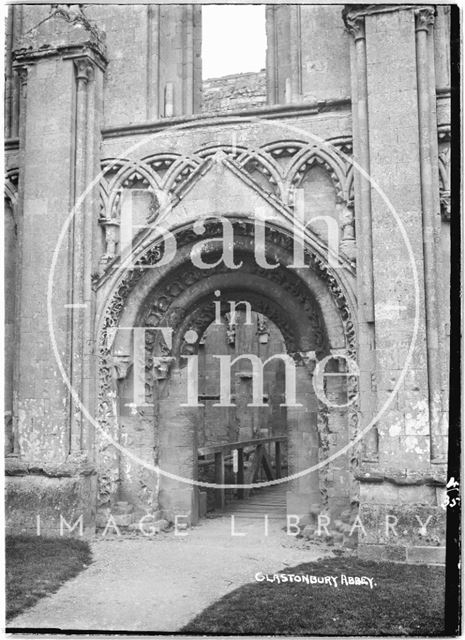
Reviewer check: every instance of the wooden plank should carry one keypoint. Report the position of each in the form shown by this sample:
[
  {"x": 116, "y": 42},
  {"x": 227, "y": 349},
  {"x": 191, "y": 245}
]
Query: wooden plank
[
  {"x": 265, "y": 461},
  {"x": 219, "y": 479},
  {"x": 277, "y": 458},
  {"x": 240, "y": 472},
  {"x": 203, "y": 451}
]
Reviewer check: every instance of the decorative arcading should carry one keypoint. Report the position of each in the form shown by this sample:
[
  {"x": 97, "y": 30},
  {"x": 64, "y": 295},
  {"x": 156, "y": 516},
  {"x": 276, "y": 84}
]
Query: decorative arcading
[
  {"x": 167, "y": 171},
  {"x": 107, "y": 409}
]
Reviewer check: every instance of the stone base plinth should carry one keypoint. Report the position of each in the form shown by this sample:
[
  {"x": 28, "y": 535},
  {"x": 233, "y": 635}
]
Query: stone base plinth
[
  {"x": 405, "y": 523},
  {"x": 50, "y": 506}
]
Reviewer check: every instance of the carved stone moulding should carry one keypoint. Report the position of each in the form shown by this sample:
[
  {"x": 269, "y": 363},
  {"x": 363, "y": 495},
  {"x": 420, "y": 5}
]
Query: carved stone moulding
[
  {"x": 175, "y": 174},
  {"x": 424, "y": 18},
  {"x": 435, "y": 477},
  {"x": 354, "y": 15},
  {"x": 107, "y": 417}
]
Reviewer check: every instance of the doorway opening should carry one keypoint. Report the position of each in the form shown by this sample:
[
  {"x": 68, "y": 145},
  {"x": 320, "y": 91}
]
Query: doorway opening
[{"x": 260, "y": 432}]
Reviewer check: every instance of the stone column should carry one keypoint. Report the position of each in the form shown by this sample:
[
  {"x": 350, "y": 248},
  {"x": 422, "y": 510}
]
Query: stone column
[
  {"x": 271, "y": 57},
  {"x": 153, "y": 61},
  {"x": 79, "y": 239},
  {"x": 54, "y": 146},
  {"x": 20, "y": 128},
  {"x": 363, "y": 223},
  {"x": 87, "y": 131},
  {"x": 356, "y": 26},
  {"x": 8, "y": 72},
  {"x": 424, "y": 19},
  {"x": 399, "y": 99},
  {"x": 174, "y": 60},
  {"x": 284, "y": 54},
  {"x": 17, "y": 26}
]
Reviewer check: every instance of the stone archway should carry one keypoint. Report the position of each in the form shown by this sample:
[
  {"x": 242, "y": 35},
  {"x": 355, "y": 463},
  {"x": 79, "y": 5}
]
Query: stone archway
[{"x": 307, "y": 305}]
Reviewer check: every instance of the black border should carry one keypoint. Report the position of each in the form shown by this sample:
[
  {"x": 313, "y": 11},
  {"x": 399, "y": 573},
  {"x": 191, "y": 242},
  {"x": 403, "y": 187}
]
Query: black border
[
  {"x": 453, "y": 534},
  {"x": 452, "y": 609}
]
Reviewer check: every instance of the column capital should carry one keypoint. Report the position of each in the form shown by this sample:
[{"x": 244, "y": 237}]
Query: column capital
[
  {"x": 355, "y": 25},
  {"x": 424, "y": 18},
  {"x": 23, "y": 72},
  {"x": 354, "y": 15},
  {"x": 84, "y": 68}
]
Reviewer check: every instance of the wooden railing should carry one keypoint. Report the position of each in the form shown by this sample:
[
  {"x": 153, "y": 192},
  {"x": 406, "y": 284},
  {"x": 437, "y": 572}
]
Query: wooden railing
[{"x": 260, "y": 458}]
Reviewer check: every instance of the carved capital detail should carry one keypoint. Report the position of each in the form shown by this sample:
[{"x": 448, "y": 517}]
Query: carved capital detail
[
  {"x": 121, "y": 363},
  {"x": 84, "y": 69},
  {"x": 424, "y": 18},
  {"x": 355, "y": 25},
  {"x": 22, "y": 73}
]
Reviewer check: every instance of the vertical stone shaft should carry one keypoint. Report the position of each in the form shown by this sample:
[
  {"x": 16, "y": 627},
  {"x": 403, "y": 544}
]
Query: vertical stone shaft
[
  {"x": 188, "y": 84},
  {"x": 271, "y": 61},
  {"x": 15, "y": 99},
  {"x": 148, "y": 80},
  {"x": 197, "y": 57},
  {"x": 21, "y": 93},
  {"x": 17, "y": 12},
  {"x": 156, "y": 76},
  {"x": 365, "y": 289},
  {"x": 423, "y": 19},
  {"x": 295, "y": 47},
  {"x": 9, "y": 71},
  {"x": 88, "y": 298},
  {"x": 364, "y": 162},
  {"x": 78, "y": 241}
]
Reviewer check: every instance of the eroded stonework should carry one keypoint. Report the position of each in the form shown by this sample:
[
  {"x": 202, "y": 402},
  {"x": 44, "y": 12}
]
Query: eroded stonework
[{"x": 344, "y": 98}]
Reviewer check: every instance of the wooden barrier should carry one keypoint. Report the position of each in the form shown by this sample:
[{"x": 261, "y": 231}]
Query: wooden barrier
[{"x": 258, "y": 455}]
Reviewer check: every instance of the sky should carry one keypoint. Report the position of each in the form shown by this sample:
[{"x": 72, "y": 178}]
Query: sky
[{"x": 233, "y": 39}]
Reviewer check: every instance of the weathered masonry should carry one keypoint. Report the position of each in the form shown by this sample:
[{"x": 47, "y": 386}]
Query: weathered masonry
[{"x": 105, "y": 130}]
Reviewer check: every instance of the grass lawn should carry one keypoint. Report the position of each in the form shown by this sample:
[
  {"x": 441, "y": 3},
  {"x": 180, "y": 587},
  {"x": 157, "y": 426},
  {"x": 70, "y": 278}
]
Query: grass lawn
[
  {"x": 37, "y": 566},
  {"x": 407, "y": 600}
]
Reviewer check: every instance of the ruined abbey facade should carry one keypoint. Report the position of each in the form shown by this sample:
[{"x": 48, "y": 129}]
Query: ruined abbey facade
[{"x": 108, "y": 141}]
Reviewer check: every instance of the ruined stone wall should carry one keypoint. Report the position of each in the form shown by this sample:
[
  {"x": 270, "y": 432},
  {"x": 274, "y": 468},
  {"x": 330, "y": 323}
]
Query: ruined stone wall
[
  {"x": 368, "y": 87},
  {"x": 234, "y": 92}
]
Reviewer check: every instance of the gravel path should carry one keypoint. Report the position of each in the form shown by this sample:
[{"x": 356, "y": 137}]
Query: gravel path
[{"x": 160, "y": 583}]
